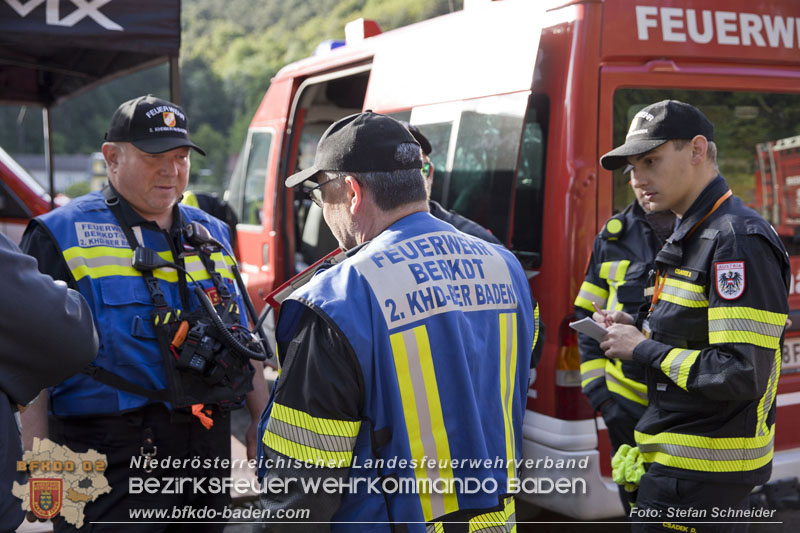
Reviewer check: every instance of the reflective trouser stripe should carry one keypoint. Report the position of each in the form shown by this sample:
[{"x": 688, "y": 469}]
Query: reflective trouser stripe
[
  {"x": 320, "y": 441},
  {"x": 104, "y": 261},
  {"x": 745, "y": 325},
  {"x": 423, "y": 416},
  {"x": 591, "y": 293},
  {"x": 536, "y": 326},
  {"x": 508, "y": 371},
  {"x": 436, "y": 527},
  {"x": 592, "y": 370},
  {"x": 707, "y": 454},
  {"x": 684, "y": 294},
  {"x": 765, "y": 404},
  {"x": 677, "y": 365},
  {"x": 619, "y": 384},
  {"x": 504, "y": 521}
]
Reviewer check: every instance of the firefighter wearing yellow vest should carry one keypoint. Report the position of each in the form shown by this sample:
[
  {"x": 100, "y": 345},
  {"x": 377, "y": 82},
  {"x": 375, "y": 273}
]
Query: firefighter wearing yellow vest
[
  {"x": 711, "y": 338},
  {"x": 622, "y": 256}
]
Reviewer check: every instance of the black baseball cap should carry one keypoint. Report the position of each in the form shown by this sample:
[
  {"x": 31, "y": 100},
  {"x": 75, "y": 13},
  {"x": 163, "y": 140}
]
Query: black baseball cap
[
  {"x": 423, "y": 141},
  {"x": 364, "y": 142},
  {"x": 655, "y": 125},
  {"x": 150, "y": 124}
]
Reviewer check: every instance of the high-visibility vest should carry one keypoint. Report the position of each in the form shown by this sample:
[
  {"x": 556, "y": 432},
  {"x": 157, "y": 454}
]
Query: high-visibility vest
[
  {"x": 442, "y": 325},
  {"x": 98, "y": 256}
]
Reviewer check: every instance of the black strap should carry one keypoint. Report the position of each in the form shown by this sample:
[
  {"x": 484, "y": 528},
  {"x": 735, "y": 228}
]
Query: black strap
[
  {"x": 113, "y": 380},
  {"x": 153, "y": 287}
]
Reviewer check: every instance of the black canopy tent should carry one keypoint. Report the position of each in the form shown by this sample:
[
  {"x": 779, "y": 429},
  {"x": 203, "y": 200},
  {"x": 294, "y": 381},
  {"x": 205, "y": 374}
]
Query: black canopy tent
[{"x": 51, "y": 50}]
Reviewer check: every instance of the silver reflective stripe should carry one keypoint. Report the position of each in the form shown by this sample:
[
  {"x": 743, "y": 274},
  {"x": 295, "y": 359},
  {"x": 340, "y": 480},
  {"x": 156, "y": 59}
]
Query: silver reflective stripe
[
  {"x": 586, "y": 295},
  {"x": 612, "y": 379},
  {"x": 706, "y": 454},
  {"x": 745, "y": 324},
  {"x": 423, "y": 413},
  {"x": 612, "y": 269},
  {"x": 675, "y": 367},
  {"x": 768, "y": 396},
  {"x": 682, "y": 293},
  {"x": 102, "y": 261},
  {"x": 597, "y": 372},
  {"x": 298, "y": 435}
]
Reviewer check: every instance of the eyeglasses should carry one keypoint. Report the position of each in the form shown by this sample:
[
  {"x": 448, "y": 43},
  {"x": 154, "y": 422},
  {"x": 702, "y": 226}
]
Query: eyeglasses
[{"x": 315, "y": 193}]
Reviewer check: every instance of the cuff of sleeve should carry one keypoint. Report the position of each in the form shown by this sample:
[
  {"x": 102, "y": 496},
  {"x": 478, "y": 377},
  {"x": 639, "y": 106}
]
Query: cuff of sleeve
[{"x": 650, "y": 352}]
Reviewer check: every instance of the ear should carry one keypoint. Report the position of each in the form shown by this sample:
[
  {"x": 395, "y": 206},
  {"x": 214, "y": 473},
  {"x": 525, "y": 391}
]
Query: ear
[
  {"x": 699, "y": 149},
  {"x": 111, "y": 153},
  {"x": 355, "y": 194}
]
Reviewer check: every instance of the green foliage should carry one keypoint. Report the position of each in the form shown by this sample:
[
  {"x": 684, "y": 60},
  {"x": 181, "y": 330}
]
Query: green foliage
[
  {"x": 229, "y": 53},
  {"x": 78, "y": 189}
]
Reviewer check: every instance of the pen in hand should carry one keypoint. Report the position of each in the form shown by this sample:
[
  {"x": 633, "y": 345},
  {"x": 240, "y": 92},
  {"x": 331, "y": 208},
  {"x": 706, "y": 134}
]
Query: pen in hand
[{"x": 607, "y": 322}]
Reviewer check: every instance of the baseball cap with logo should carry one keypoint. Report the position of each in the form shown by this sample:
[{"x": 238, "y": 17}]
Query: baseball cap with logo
[
  {"x": 150, "y": 124},
  {"x": 655, "y": 125},
  {"x": 364, "y": 142}
]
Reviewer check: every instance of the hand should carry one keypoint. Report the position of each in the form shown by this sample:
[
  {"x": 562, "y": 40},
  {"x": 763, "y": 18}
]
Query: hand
[
  {"x": 614, "y": 317},
  {"x": 621, "y": 340}
]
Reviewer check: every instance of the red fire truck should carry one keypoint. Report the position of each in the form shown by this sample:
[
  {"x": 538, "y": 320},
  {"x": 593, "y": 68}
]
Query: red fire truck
[
  {"x": 21, "y": 198},
  {"x": 519, "y": 99}
]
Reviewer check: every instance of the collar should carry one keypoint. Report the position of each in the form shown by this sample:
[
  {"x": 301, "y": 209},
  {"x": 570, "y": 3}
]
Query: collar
[
  {"x": 133, "y": 219},
  {"x": 700, "y": 207}
]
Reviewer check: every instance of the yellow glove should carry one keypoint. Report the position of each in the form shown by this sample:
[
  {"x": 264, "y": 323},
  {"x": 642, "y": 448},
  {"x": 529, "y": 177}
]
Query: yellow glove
[{"x": 628, "y": 467}]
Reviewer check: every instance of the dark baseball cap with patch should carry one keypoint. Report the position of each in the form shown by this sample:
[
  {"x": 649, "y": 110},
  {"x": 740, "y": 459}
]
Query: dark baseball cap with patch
[
  {"x": 655, "y": 125},
  {"x": 364, "y": 142},
  {"x": 151, "y": 124}
]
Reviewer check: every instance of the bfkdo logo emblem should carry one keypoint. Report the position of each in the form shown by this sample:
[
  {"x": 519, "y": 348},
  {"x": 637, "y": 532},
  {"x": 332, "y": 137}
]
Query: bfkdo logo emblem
[
  {"x": 169, "y": 118},
  {"x": 46, "y": 497},
  {"x": 730, "y": 279}
]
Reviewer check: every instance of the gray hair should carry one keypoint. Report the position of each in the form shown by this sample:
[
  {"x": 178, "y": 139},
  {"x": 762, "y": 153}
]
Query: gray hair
[{"x": 390, "y": 190}]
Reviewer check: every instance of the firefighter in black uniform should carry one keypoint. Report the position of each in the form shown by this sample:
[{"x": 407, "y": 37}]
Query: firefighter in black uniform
[
  {"x": 711, "y": 338},
  {"x": 622, "y": 256}
]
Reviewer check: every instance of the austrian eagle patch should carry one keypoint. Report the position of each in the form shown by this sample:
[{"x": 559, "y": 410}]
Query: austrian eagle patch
[{"x": 730, "y": 279}]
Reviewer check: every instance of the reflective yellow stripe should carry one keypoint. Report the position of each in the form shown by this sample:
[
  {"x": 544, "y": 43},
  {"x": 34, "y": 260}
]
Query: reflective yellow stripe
[
  {"x": 422, "y": 409},
  {"x": 614, "y": 270},
  {"x": 591, "y": 293},
  {"x": 677, "y": 365},
  {"x": 496, "y": 521},
  {"x": 104, "y": 261},
  {"x": 592, "y": 370},
  {"x": 625, "y": 387},
  {"x": 536, "y": 325},
  {"x": 745, "y": 325},
  {"x": 508, "y": 367},
  {"x": 684, "y": 293},
  {"x": 320, "y": 441},
  {"x": 707, "y": 454},
  {"x": 765, "y": 404}
]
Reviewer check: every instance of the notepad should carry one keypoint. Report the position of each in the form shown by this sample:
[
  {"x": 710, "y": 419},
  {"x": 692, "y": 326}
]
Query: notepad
[{"x": 589, "y": 327}]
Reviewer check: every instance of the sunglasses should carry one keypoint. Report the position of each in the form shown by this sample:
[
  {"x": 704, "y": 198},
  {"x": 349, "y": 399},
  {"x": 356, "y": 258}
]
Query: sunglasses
[{"x": 315, "y": 193}]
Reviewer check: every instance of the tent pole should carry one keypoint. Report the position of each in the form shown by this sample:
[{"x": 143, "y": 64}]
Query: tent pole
[
  {"x": 48, "y": 154},
  {"x": 174, "y": 80}
]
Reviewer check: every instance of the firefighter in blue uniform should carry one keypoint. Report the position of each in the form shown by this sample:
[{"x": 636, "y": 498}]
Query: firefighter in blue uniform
[
  {"x": 165, "y": 379},
  {"x": 401, "y": 364},
  {"x": 622, "y": 257},
  {"x": 711, "y": 338}
]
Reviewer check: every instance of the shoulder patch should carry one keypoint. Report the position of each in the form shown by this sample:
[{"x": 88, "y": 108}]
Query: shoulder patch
[
  {"x": 613, "y": 228},
  {"x": 730, "y": 279}
]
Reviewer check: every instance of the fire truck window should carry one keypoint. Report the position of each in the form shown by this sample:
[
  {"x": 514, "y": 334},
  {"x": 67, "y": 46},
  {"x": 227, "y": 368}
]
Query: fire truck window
[
  {"x": 758, "y": 142},
  {"x": 247, "y": 182},
  {"x": 526, "y": 239},
  {"x": 482, "y": 175}
]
